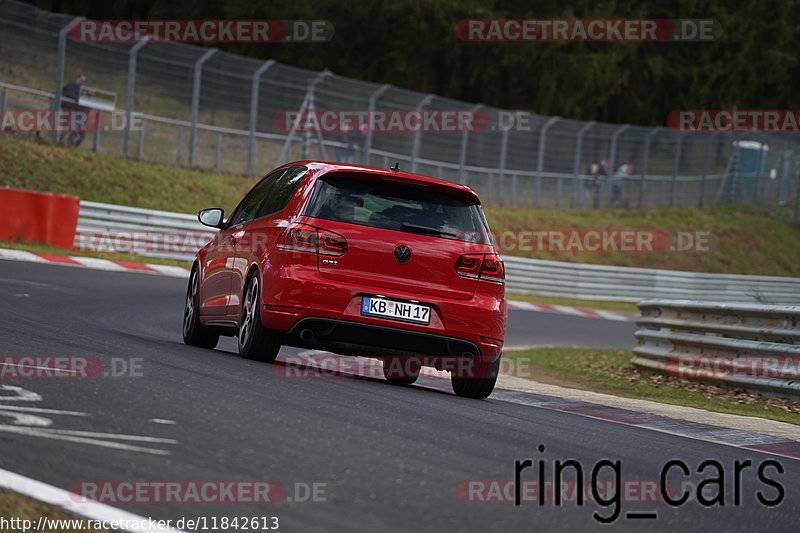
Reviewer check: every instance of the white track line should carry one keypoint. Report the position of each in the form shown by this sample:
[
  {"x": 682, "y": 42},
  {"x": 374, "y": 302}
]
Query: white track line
[{"x": 61, "y": 498}]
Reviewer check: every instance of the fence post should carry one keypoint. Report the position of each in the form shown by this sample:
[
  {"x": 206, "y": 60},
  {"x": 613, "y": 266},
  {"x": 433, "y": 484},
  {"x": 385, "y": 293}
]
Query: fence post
[
  {"x": 140, "y": 143},
  {"x": 612, "y": 159},
  {"x": 198, "y": 76},
  {"x": 576, "y": 163},
  {"x": 96, "y": 136},
  {"x": 502, "y": 166},
  {"x": 462, "y": 157},
  {"x": 132, "y": 55},
  {"x": 675, "y": 169},
  {"x": 179, "y": 149},
  {"x": 417, "y": 134},
  {"x": 758, "y": 174},
  {"x": 646, "y": 164},
  {"x": 540, "y": 157},
  {"x": 706, "y": 156},
  {"x": 62, "y": 56},
  {"x": 217, "y": 150},
  {"x": 3, "y": 100},
  {"x": 373, "y": 99},
  {"x": 254, "y": 90},
  {"x": 797, "y": 198}
]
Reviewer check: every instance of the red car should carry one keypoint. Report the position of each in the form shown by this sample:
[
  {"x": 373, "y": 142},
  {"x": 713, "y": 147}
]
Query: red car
[{"x": 359, "y": 261}]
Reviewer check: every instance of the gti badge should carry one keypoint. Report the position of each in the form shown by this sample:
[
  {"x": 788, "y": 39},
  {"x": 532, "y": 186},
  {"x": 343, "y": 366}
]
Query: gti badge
[
  {"x": 329, "y": 262},
  {"x": 402, "y": 253}
]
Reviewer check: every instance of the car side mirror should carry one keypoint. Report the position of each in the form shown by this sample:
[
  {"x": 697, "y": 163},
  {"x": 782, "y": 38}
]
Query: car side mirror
[{"x": 211, "y": 217}]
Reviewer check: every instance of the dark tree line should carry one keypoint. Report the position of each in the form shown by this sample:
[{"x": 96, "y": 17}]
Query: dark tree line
[{"x": 412, "y": 44}]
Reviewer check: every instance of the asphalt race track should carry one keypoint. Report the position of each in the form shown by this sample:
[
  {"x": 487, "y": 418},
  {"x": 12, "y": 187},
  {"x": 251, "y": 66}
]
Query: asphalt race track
[{"x": 387, "y": 458}]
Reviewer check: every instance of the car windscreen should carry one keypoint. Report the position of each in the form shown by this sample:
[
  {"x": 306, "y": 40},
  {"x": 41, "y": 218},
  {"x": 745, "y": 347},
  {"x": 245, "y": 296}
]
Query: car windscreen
[{"x": 398, "y": 206}]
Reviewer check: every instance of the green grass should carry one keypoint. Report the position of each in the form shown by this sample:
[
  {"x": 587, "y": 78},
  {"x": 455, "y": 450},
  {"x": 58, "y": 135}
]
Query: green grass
[
  {"x": 14, "y": 505},
  {"x": 56, "y": 250},
  {"x": 610, "y": 371}
]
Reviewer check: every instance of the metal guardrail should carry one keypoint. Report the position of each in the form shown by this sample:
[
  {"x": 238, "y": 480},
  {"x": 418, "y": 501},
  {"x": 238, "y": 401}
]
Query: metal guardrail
[
  {"x": 110, "y": 227},
  {"x": 603, "y": 282},
  {"x": 749, "y": 346}
]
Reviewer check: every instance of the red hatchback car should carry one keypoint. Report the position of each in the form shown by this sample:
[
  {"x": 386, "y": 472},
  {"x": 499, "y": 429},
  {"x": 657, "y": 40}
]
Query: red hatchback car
[{"x": 358, "y": 261}]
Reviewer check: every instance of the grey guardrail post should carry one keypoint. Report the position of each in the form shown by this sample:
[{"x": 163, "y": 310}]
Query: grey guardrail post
[
  {"x": 133, "y": 53},
  {"x": 646, "y": 163},
  {"x": 373, "y": 99},
  {"x": 418, "y": 134},
  {"x": 576, "y": 163},
  {"x": 462, "y": 156},
  {"x": 540, "y": 157},
  {"x": 62, "y": 56},
  {"x": 254, "y": 90},
  {"x": 198, "y": 76}
]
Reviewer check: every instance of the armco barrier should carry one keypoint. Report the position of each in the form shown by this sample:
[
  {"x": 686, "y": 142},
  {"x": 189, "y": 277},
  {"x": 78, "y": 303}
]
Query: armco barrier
[
  {"x": 603, "y": 282},
  {"x": 166, "y": 234},
  {"x": 110, "y": 228},
  {"x": 749, "y": 346},
  {"x": 38, "y": 217}
]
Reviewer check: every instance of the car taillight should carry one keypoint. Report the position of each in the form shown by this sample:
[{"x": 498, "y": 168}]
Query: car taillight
[
  {"x": 481, "y": 266},
  {"x": 305, "y": 238}
]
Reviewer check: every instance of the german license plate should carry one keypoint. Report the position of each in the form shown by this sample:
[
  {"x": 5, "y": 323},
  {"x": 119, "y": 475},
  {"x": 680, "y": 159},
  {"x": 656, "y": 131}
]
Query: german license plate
[{"x": 406, "y": 311}]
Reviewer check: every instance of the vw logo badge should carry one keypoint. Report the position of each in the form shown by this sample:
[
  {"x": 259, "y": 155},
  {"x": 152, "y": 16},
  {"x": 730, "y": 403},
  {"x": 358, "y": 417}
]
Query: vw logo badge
[{"x": 402, "y": 253}]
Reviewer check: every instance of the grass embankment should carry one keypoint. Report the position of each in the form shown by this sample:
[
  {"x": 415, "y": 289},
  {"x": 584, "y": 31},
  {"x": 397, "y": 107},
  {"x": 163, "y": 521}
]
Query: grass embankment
[
  {"x": 742, "y": 240},
  {"x": 609, "y": 371}
]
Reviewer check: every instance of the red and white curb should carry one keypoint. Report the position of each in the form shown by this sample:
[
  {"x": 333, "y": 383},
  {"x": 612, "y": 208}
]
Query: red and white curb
[
  {"x": 577, "y": 311},
  {"x": 181, "y": 272},
  {"x": 94, "y": 262}
]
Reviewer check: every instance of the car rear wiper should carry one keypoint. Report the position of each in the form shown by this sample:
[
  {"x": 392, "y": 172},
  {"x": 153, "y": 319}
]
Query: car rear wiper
[{"x": 413, "y": 228}]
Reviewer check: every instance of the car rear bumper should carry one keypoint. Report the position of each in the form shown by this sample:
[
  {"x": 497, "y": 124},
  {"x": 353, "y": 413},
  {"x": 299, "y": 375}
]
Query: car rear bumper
[{"x": 306, "y": 300}]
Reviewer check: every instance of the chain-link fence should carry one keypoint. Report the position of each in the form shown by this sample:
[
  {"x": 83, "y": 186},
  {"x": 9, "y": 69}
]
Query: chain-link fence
[{"x": 201, "y": 107}]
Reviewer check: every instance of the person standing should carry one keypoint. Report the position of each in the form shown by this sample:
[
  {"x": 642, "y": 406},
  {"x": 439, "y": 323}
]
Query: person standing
[
  {"x": 70, "y": 95},
  {"x": 599, "y": 176},
  {"x": 618, "y": 181}
]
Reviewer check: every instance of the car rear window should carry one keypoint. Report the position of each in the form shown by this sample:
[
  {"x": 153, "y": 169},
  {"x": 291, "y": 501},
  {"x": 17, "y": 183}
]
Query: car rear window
[{"x": 398, "y": 206}]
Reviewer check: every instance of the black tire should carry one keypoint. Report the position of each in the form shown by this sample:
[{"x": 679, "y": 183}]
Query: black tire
[
  {"x": 194, "y": 334},
  {"x": 479, "y": 386},
  {"x": 255, "y": 341},
  {"x": 401, "y": 370}
]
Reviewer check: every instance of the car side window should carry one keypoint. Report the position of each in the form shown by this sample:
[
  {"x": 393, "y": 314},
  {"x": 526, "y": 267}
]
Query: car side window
[
  {"x": 282, "y": 190},
  {"x": 248, "y": 208}
]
